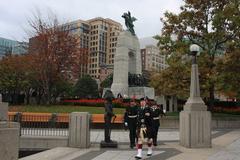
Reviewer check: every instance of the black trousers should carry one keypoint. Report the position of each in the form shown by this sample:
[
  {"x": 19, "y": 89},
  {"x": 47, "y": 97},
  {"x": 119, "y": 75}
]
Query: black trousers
[
  {"x": 107, "y": 129},
  {"x": 156, "y": 125},
  {"x": 132, "y": 125}
]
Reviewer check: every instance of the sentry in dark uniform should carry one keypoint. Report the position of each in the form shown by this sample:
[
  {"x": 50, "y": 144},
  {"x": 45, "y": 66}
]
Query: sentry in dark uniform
[
  {"x": 144, "y": 128},
  {"x": 157, "y": 111},
  {"x": 156, "y": 123},
  {"x": 130, "y": 121}
]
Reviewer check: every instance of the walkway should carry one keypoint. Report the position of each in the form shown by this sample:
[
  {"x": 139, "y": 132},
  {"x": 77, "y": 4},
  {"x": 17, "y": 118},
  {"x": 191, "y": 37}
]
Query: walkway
[{"x": 225, "y": 146}]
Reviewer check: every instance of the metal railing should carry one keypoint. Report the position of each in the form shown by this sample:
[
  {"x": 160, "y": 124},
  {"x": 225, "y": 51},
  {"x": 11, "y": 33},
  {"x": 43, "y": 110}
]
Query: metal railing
[{"x": 41, "y": 124}]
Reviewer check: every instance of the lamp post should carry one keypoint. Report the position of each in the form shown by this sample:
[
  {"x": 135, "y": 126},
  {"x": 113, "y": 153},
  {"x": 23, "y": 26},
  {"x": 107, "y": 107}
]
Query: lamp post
[
  {"x": 195, "y": 120},
  {"x": 194, "y": 50},
  {"x": 194, "y": 102}
]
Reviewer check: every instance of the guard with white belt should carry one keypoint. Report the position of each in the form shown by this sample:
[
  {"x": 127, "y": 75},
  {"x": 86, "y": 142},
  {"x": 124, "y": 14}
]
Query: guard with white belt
[
  {"x": 130, "y": 121},
  {"x": 157, "y": 112}
]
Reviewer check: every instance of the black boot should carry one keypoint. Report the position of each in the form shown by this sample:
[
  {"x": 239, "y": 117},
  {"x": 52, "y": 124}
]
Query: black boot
[
  {"x": 155, "y": 142},
  {"x": 132, "y": 145}
]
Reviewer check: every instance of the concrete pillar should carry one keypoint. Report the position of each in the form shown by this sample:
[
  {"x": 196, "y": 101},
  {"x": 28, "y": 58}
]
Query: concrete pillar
[
  {"x": 195, "y": 129},
  {"x": 9, "y": 140},
  {"x": 9, "y": 135},
  {"x": 3, "y": 111},
  {"x": 79, "y": 130},
  {"x": 195, "y": 120}
]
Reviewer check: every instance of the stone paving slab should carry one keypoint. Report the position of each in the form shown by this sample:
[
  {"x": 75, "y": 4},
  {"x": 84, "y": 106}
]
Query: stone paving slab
[
  {"x": 123, "y": 136},
  {"x": 226, "y": 146},
  {"x": 219, "y": 151},
  {"x": 55, "y": 153},
  {"x": 127, "y": 154},
  {"x": 231, "y": 152},
  {"x": 122, "y": 155}
]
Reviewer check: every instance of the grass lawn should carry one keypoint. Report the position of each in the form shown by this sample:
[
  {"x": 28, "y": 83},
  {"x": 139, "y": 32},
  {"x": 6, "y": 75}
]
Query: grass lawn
[
  {"x": 62, "y": 109},
  {"x": 174, "y": 114}
]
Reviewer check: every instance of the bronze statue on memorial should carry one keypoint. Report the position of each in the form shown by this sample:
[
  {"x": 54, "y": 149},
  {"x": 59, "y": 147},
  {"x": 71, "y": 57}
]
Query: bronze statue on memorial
[{"x": 129, "y": 22}]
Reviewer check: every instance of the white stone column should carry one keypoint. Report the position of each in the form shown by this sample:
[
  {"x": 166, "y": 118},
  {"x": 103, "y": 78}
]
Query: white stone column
[
  {"x": 195, "y": 120},
  {"x": 79, "y": 130},
  {"x": 120, "y": 73},
  {"x": 127, "y": 59},
  {"x": 121, "y": 65},
  {"x": 138, "y": 56}
]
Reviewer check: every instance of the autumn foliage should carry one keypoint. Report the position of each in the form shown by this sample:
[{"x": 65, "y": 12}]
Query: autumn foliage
[{"x": 50, "y": 67}]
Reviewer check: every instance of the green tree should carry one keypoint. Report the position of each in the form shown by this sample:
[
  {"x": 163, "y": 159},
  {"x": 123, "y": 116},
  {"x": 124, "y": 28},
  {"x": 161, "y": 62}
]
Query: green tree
[
  {"x": 211, "y": 24},
  {"x": 167, "y": 82},
  {"x": 229, "y": 77},
  {"x": 17, "y": 76},
  {"x": 62, "y": 88},
  {"x": 86, "y": 87}
]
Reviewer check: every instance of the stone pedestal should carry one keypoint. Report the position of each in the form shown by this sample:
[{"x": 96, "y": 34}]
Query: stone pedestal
[
  {"x": 195, "y": 129},
  {"x": 3, "y": 111},
  {"x": 9, "y": 140},
  {"x": 127, "y": 59},
  {"x": 139, "y": 92},
  {"x": 79, "y": 130}
]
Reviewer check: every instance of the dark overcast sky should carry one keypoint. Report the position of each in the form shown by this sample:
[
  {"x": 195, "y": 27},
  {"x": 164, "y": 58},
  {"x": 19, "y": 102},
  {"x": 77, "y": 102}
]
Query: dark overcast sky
[{"x": 15, "y": 13}]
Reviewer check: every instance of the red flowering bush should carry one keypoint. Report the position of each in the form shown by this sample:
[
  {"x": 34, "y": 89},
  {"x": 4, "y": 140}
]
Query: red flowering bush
[
  {"x": 99, "y": 102},
  {"x": 231, "y": 110}
]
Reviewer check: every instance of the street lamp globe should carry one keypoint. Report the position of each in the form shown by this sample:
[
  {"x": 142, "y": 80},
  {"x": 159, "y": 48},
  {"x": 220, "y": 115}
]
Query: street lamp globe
[{"x": 194, "y": 48}]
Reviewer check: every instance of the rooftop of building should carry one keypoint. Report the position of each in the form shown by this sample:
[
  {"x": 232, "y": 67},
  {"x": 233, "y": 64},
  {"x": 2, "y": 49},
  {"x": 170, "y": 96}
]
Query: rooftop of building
[
  {"x": 103, "y": 19},
  {"x": 76, "y": 21}
]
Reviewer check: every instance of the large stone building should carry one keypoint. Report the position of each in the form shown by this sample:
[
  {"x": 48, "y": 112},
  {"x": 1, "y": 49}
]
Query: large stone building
[
  {"x": 152, "y": 60},
  {"x": 81, "y": 30},
  {"x": 8, "y": 46}
]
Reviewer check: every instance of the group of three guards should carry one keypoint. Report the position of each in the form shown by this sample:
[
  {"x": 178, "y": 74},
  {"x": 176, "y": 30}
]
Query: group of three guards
[{"x": 142, "y": 121}]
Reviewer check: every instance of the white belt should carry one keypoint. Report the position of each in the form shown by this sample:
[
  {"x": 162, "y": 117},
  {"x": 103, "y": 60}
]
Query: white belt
[
  {"x": 132, "y": 116},
  {"x": 155, "y": 118}
]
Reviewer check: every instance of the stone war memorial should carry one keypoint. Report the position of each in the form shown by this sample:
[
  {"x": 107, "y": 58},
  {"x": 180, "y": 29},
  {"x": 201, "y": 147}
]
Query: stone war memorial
[{"x": 127, "y": 61}]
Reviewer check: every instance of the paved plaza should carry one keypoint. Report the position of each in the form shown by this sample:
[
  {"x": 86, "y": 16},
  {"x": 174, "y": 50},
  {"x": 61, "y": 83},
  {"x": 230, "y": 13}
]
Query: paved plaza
[{"x": 225, "y": 146}]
